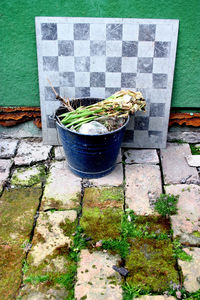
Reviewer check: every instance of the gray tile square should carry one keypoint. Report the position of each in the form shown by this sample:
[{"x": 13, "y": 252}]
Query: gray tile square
[
  {"x": 113, "y": 64},
  {"x": 111, "y": 91},
  {"x": 49, "y": 94},
  {"x": 97, "y": 48},
  {"x": 128, "y": 80},
  {"x": 81, "y": 31},
  {"x": 162, "y": 49},
  {"x": 81, "y": 92},
  {"x": 129, "y": 48},
  {"x": 141, "y": 123},
  {"x": 145, "y": 65},
  {"x": 49, "y": 31},
  {"x": 113, "y": 32},
  {"x": 157, "y": 110},
  {"x": 65, "y": 48},
  {"x": 82, "y": 64},
  {"x": 156, "y": 123},
  {"x": 50, "y": 63},
  {"x": 97, "y": 79},
  {"x": 67, "y": 79},
  {"x": 160, "y": 81},
  {"x": 147, "y": 32},
  {"x": 156, "y": 137}
]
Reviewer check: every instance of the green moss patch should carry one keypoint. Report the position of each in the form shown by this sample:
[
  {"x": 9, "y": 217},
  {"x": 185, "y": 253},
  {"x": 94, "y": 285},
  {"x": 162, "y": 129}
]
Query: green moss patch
[
  {"x": 11, "y": 257},
  {"x": 103, "y": 197},
  {"x": 28, "y": 176},
  {"x": 101, "y": 224},
  {"x": 17, "y": 210},
  {"x": 195, "y": 150},
  {"x": 151, "y": 264}
]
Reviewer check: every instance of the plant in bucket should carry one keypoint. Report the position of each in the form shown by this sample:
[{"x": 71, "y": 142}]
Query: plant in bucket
[{"x": 91, "y": 130}]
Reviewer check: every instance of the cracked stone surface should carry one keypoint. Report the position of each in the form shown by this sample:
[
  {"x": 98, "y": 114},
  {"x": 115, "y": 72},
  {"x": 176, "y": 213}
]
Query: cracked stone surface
[
  {"x": 5, "y": 166},
  {"x": 63, "y": 188},
  {"x": 191, "y": 270},
  {"x": 175, "y": 167},
  {"x": 8, "y": 148},
  {"x": 141, "y": 156},
  {"x": 186, "y": 224},
  {"x": 49, "y": 235},
  {"x": 28, "y": 176},
  {"x": 143, "y": 186},
  {"x": 113, "y": 179},
  {"x": 96, "y": 278},
  {"x": 30, "y": 152},
  {"x": 193, "y": 160}
]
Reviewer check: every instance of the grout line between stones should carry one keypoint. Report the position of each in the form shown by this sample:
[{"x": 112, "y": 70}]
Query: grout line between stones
[{"x": 161, "y": 171}]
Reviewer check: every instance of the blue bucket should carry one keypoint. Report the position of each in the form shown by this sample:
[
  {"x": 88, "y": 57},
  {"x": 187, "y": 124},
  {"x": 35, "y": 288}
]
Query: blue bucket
[{"x": 90, "y": 156}]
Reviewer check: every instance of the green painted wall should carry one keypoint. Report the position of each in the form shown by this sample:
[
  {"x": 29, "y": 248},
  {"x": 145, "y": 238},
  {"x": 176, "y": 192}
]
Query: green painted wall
[{"x": 18, "y": 63}]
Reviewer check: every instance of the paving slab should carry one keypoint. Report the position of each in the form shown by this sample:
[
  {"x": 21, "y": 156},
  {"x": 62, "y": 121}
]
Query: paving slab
[
  {"x": 143, "y": 186},
  {"x": 28, "y": 176},
  {"x": 63, "y": 188},
  {"x": 113, "y": 179},
  {"x": 59, "y": 153},
  {"x": 49, "y": 235},
  {"x": 186, "y": 224},
  {"x": 30, "y": 152},
  {"x": 96, "y": 278},
  {"x": 8, "y": 148},
  {"x": 5, "y": 165},
  {"x": 193, "y": 160},
  {"x": 187, "y": 136},
  {"x": 191, "y": 270},
  {"x": 33, "y": 293},
  {"x": 175, "y": 167},
  {"x": 146, "y": 156}
]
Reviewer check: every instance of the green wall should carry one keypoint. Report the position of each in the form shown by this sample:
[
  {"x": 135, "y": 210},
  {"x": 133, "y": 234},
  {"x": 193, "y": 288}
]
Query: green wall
[{"x": 18, "y": 62}]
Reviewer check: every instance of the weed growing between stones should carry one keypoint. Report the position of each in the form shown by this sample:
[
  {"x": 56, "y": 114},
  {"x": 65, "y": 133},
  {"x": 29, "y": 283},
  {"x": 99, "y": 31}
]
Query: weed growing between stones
[
  {"x": 130, "y": 291},
  {"x": 194, "y": 149},
  {"x": 178, "y": 251},
  {"x": 166, "y": 205}
]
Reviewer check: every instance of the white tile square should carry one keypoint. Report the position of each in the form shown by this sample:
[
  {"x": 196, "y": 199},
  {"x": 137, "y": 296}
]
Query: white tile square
[
  {"x": 49, "y": 48},
  {"x": 114, "y": 48},
  {"x": 97, "y": 32},
  {"x": 130, "y": 32},
  {"x": 53, "y": 77},
  {"x": 67, "y": 92},
  {"x": 66, "y": 63},
  {"x": 144, "y": 80},
  {"x": 97, "y": 63},
  {"x": 156, "y": 123},
  {"x": 129, "y": 64},
  {"x": 82, "y": 79},
  {"x": 81, "y": 48},
  {"x": 145, "y": 49},
  {"x": 65, "y": 31},
  {"x": 159, "y": 96},
  {"x": 163, "y": 32},
  {"x": 113, "y": 79},
  {"x": 97, "y": 92},
  {"x": 160, "y": 65}
]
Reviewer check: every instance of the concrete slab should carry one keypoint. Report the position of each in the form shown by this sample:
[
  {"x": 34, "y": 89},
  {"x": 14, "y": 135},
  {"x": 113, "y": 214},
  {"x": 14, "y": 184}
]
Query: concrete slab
[
  {"x": 59, "y": 153},
  {"x": 143, "y": 186},
  {"x": 63, "y": 188},
  {"x": 191, "y": 270},
  {"x": 96, "y": 278},
  {"x": 5, "y": 166},
  {"x": 146, "y": 156},
  {"x": 8, "y": 148},
  {"x": 187, "y": 136},
  {"x": 175, "y": 167},
  {"x": 193, "y": 160},
  {"x": 31, "y": 152},
  {"x": 186, "y": 224}
]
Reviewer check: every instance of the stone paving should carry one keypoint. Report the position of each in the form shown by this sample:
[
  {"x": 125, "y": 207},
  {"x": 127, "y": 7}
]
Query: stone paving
[{"x": 65, "y": 237}]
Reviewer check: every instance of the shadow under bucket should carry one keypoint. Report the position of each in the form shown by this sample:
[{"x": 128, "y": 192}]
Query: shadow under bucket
[{"x": 89, "y": 156}]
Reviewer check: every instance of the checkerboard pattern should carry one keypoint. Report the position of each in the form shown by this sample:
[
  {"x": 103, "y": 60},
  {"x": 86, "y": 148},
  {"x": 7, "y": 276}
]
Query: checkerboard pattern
[{"x": 94, "y": 57}]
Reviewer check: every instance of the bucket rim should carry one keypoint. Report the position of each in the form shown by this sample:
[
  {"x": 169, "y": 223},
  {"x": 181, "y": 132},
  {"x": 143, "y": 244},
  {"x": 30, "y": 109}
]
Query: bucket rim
[{"x": 101, "y": 134}]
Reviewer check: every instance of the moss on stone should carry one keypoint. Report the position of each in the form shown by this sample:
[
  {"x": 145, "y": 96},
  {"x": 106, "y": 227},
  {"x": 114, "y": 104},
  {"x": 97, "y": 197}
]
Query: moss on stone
[
  {"x": 101, "y": 224},
  {"x": 196, "y": 233},
  {"x": 151, "y": 264},
  {"x": 31, "y": 179},
  {"x": 103, "y": 197},
  {"x": 68, "y": 227},
  {"x": 11, "y": 257},
  {"x": 17, "y": 210}
]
